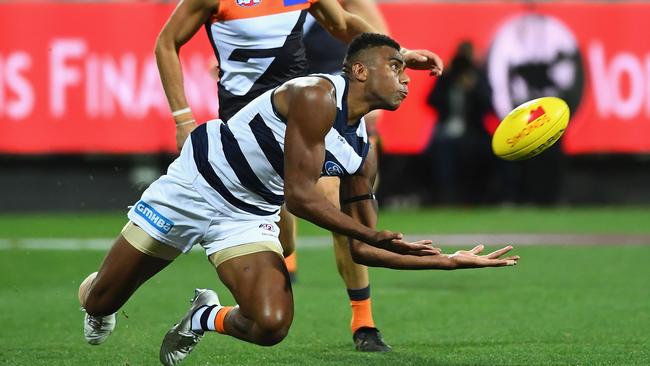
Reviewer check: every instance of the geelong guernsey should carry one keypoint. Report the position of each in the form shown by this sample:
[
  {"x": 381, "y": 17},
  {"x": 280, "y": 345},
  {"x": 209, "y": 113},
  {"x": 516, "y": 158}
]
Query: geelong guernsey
[{"x": 239, "y": 166}]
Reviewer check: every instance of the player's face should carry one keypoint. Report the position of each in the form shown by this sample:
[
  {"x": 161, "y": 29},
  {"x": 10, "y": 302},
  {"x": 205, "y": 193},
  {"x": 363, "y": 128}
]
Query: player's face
[{"x": 389, "y": 80}]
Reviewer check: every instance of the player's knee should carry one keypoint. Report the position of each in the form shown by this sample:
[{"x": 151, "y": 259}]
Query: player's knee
[
  {"x": 100, "y": 302},
  {"x": 274, "y": 327},
  {"x": 273, "y": 337},
  {"x": 84, "y": 288}
]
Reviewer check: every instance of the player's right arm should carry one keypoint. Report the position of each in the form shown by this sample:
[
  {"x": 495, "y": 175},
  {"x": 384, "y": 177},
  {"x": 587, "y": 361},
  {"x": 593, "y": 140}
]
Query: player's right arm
[
  {"x": 184, "y": 22},
  {"x": 345, "y": 25},
  {"x": 340, "y": 23},
  {"x": 309, "y": 105},
  {"x": 368, "y": 11}
]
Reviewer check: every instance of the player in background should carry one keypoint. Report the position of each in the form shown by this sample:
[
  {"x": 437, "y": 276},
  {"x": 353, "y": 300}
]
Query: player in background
[
  {"x": 325, "y": 54},
  {"x": 307, "y": 123},
  {"x": 258, "y": 47}
]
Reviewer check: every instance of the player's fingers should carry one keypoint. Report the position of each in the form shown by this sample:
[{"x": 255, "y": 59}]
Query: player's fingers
[
  {"x": 415, "y": 248},
  {"x": 389, "y": 235},
  {"x": 511, "y": 258},
  {"x": 498, "y": 262},
  {"x": 404, "y": 247},
  {"x": 510, "y": 262},
  {"x": 425, "y": 242},
  {"x": 439, "y": 65},
  {"x": 418, "y": 244},
  {"x": 424, "y": 252},
  {"x": 477, "y": 249},
  {"x": 499, "y": 252},
  {"x": 431, "y": 251}
]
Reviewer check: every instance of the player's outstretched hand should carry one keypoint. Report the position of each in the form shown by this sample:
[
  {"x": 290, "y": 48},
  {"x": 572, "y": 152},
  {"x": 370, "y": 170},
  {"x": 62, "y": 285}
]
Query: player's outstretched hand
[
  {"x": 423, "y": 60},
  {"x": 472, "y": 259},
  {"x": 395, "y": 242}
]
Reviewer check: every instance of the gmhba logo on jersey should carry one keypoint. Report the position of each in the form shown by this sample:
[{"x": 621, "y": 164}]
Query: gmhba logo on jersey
[{"x": 534, "y": 56}]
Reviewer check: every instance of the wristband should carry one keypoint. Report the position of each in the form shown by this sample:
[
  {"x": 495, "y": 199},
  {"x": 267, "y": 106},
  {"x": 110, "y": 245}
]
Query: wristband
[
  {"x": 185, "y": 123},
  {"x": 179, "y": 112}
]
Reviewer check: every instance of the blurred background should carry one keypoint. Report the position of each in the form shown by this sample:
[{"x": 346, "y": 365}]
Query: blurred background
[
  {"x": 84, "y": 124},
  {"x": 85, "y": 128}
]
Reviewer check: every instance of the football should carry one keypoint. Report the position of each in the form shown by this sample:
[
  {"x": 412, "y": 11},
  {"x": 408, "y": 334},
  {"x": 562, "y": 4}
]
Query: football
[{"x": 530, "y": 128}]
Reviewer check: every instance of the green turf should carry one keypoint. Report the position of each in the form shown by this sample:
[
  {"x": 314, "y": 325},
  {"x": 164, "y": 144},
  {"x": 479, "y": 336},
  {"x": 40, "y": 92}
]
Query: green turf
[
  {"x": 561, "y": 306},
  {"x": 472, "y": 220}
]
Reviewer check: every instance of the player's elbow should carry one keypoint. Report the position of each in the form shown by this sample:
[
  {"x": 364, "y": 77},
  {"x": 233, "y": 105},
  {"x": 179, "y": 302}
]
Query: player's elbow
[
  {"x": 296, "y": 202},
  {"x": 164, "y": 45},
  {"x": 339, "y": 28},
  {"x": 160, "y": 48}
]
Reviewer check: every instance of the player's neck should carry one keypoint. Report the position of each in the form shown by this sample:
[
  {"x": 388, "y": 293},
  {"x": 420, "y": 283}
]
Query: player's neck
[{"x": 358, "y": 105}]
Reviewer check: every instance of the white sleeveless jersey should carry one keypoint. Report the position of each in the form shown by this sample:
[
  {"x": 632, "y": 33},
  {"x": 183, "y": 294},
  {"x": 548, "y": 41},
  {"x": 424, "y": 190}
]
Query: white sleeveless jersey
[
  {"x": 240, "y": 165},
  {"x": 258, "y": 44}
]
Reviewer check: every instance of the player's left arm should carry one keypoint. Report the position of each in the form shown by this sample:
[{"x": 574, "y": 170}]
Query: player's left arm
[{"x": 357, "y": 200}]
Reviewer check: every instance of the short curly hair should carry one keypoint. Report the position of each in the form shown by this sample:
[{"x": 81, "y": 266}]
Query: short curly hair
[{"x": 364, "y": 42}]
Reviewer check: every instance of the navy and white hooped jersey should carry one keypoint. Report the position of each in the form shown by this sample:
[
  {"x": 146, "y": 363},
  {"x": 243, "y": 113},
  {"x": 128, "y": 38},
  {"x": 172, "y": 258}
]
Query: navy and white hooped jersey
[
  {"x": 240, "y": 165},
  {"x": 258, "y": 44}
]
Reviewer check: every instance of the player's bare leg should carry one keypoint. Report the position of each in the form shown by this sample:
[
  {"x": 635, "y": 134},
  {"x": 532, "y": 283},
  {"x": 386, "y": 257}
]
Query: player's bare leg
[
  {"x": 355, "y": 276},
  {"x": 260, "y": 285},
  {"x": 287, "y": 226},
  {"x": 102, "y": 293}
]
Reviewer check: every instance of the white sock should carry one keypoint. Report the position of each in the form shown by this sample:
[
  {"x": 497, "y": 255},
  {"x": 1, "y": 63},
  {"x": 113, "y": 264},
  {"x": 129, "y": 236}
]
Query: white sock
[{"x": 203, "y": 317}]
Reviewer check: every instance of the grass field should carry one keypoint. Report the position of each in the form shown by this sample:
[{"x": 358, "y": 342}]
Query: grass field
[
  {"x": 562, "y": 305},
  {"x": 629, "y": 220}
]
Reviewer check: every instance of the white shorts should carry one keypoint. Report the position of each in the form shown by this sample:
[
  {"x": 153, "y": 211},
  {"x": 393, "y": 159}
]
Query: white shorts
[{"x": 174, "y": 213}]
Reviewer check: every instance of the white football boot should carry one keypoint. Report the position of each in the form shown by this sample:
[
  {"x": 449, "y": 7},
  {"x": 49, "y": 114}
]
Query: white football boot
[
  {"x": 181, "y": 339},
  {"x": 98, "y": 328}
]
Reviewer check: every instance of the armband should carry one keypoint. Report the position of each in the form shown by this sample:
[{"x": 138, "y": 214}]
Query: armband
[{"x": 369, "y": 196}]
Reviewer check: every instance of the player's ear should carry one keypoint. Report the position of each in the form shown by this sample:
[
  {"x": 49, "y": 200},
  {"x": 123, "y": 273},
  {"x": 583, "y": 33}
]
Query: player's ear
[{"x": 360, "y": 71}]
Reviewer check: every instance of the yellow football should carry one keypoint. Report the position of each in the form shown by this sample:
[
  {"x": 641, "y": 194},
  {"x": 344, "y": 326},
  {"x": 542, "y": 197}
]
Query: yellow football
[{"x": 530, "y": 128}]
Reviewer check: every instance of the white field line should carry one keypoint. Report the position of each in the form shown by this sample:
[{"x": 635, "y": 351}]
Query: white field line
[{"x": 324, "y": 241}]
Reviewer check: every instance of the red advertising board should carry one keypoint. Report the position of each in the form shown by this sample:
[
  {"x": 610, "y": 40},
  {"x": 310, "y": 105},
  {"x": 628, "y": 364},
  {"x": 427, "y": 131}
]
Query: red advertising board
[
  {"x": 603, "y": 42},
  {"x": 82, "y": 77}
]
